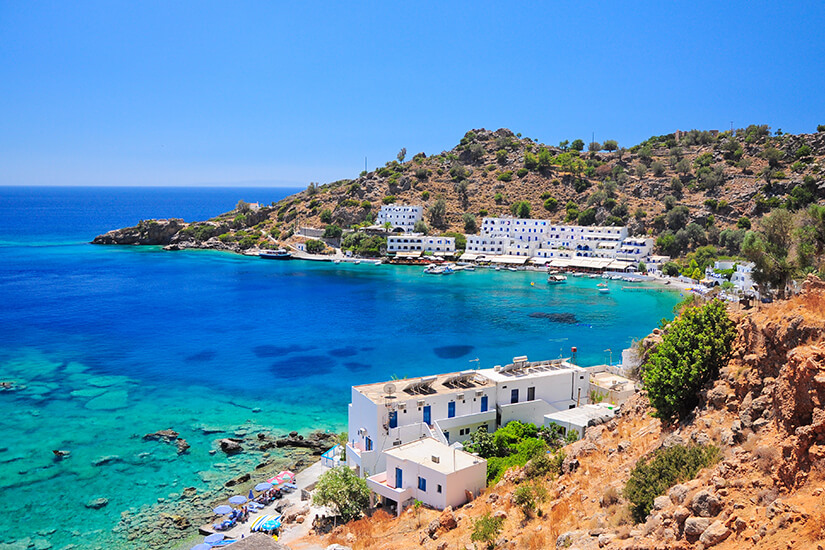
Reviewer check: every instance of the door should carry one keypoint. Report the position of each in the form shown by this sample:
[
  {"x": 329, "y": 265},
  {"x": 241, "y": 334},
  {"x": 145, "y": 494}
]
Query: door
[
  {"x": 427, "y": 415},
  {"x": 484, "y": 403},
  {"x": 531, "y": 393},
  {"x": 393, "y": 419},
  {"x": 514, "y": 396},
  {"x": 451, "y": 409},
  {"x": 399, "y": 478}
]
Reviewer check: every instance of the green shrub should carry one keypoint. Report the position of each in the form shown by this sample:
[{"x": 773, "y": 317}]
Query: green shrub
[
  {"x": 580, "y": 185},
  {"x": 529, "y": 497},
  {"x": 342, "y": 491},
  {"x": 275, "y": 232},
  {"x": 501, "y": 156},
  {"x": 588, "y": 217},
  {"x": 690, "y": 354},
  {"x": 498, "y": 197},
  {"x": 326, "y": 215},
  {"x": 486, "y": 530},
  {"x": 551, "y": 204},
  {"x": 366, "y": 205},
  {"x": 522, "y": 172},
  {"x": 349, "y": 202},
  {"x": 421, "y": 173},
  {"x": 469, "y": 222},
  {"x": 315, "y": 246},
  {"x": 505, "y": 176},
  {"x": 483, "y": 212},
  {"x": 653, "y": 476},
  {"x": 389, "y": 199},
  {"x": 425, "y": 195},
  {"x": 820, "y": 128},
  {"x": 531, "y": 162}
]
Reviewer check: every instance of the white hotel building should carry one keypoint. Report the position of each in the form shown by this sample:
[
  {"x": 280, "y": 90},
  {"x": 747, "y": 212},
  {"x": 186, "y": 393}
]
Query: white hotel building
[
  {"x": 409, "y": 243},
  {"x": 449, "y": 407},
  {"x": 399, "y": 216}
]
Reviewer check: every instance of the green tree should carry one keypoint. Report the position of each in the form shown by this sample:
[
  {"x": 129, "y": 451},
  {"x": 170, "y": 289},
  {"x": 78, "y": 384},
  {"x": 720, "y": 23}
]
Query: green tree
[
  {"x": 773, "y": 156},
  {"x": 610, "y": 145},
  {"x": 521, "y": 209},
  {"x": 588, "y": 217},
  {"x": 315, "y": 246},
  {"x": 529, "y": 497},
  {"x": 551, "y": 204},
  {"x": 743, "y": 223},
  {"x": 658, "y": 168},
  {"x": 531, "y": 161},
  {"x": 545, "y": 158},
  {"x": 469, "y": 222},
  {"x": 564, "y": 144},
  {"x": 486, "y": 530},
  {"x": 402, "y": 154},
  {"x": 332, "y": 231},
  {"x": 768, "y": 249},
  {"x": 678, "y": 217},
  {"x": 690, "y": 354},
  {"x": 437, "y": 213},
  {"x": 594, "y": 146},
  {"x": 343, "y": 492},
  {"x": 577, "y": 145},
  {"x": 421, "y": 227}
]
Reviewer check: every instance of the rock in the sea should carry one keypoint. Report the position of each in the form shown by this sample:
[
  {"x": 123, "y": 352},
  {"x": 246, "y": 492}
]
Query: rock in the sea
[
  {"x": 166, "y": 436},
  {"x": 182, "y": 445},
  {"x": 97, "y": 503},
  {"x": 230, "y": 446},
  {"x": 42, "y": 544},
  {"x": 151, "y": 232}
]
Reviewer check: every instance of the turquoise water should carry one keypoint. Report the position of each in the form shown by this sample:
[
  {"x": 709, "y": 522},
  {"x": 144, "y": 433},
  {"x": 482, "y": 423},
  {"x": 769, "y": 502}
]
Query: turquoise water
[{"x": 115, "y": 342}]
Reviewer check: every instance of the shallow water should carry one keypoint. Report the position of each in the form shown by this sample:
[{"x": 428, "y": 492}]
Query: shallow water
[{"x": 116, "y": 342}]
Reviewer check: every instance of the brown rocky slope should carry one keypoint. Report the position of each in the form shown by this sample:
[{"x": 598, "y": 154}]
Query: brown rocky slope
[{"x": 766, "y": 413}]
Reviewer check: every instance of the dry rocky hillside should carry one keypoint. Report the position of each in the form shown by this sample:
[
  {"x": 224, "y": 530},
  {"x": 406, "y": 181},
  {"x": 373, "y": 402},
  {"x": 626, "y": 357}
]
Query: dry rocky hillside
[
  {"x": 718, "y": 177},
  {"x": 766, "y": 414}
]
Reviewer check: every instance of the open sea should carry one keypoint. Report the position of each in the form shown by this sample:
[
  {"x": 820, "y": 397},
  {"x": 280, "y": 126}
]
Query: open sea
[{"x": 115, "y": 342}]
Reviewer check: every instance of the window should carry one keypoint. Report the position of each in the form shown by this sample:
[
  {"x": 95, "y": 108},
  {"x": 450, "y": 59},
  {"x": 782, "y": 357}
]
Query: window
[
  {"x": 368, "y": 444},
  {"x": 514, "y": 395},
  {"x": 438, "y": 488},
  {"x": 422, "y": 484}
]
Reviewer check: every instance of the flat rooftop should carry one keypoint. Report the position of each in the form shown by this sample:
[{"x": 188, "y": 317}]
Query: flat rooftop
[
  {"x": 581, "y": 416},
  {"x": 424, "y": 450},
  {"x": 519, "y": 370},
  {"x": 452, "y": 382},
  {"x": 610, "y": 381}
]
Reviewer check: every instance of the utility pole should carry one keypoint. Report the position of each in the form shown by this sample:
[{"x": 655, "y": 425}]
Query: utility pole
[{"x": 365, "y": 164}]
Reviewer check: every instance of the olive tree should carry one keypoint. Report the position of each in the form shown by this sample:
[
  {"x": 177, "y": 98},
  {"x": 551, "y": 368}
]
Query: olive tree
[{"x": 342, "y": 491}]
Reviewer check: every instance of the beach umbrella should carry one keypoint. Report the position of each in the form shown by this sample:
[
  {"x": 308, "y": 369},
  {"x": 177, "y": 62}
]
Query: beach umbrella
[
  {"x": 263, "y": 486},
  {"x": 223, "y": 509},
  {"x": 202, "y": 546},
  {"x": 214, "y": 537},
  {"x": 237, "y": 499}
]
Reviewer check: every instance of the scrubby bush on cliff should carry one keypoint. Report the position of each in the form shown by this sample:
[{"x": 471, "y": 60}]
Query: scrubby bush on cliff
[
  {"x": 690, "y": 354},
  {"x": 486, "y": 530},
  {"x": 653, "y": 476},
  {"x": 315, "y": 246},
  {"x": 326, "y": 215},
  {"x": 342, "y": 491}
]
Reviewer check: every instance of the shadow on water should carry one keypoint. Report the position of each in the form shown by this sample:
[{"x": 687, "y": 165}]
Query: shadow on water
[
  {"x": 267, "y": 351},
  {"x": 452, "y": 352},
  {"x": 347, "y": 351},
  {"x": 302, "y": 366},
  {"x": 352, "y": 366},
  {"x": 202, "y": 356}
]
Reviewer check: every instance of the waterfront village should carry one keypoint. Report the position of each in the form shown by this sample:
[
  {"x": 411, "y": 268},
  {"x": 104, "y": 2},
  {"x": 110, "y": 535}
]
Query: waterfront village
[
  {"x": 518, "y": 244},
  {"x": 406, "y": 438}
]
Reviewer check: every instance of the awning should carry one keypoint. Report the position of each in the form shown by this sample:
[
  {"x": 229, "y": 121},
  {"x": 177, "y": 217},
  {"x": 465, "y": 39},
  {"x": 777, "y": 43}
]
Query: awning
[
  {"x": 560, "y": 262},
  {"x": 622, "y": 265},
  {"x": 539, "y": 261},
  {"x": 438, "y": 253},
  {"x": 511, "y": 260},
  {"x": 411, "y": 254},
  {"x": 468, "y": 256}
]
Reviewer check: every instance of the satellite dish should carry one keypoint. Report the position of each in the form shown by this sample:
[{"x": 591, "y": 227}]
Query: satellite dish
[{"x": 389, "y": 389}]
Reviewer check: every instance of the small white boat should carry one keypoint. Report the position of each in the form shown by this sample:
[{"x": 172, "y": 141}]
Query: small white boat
[
  {"x": 512, "y": 269},
  {"x": 556, "y": 279},
  {"x": 434, "y": 269},
  {"x": 604, "y": 290}
]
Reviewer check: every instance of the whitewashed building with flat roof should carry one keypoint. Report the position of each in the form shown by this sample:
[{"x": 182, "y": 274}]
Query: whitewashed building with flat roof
[
  {"x": 400, "y": 216},
  {"x": 450, "y": 407},
  {"x": 430, "y": 471},
  {"x": 412, "y": 242},
  {"x": 579, "y": 418}
]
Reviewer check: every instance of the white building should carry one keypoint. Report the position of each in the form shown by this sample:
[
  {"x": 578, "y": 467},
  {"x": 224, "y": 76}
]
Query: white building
[
  {"x": 450, "y": 407},
  {"x": 635, "y": 249},
  {"x": 579, "y": 418},
  {"x": 430, "y": 471},
  {"x": 399, "y": 216},
  {"x": 742, "y": 278},
  {"x": 420, "y": 243},
  {"x": 545, "y": 239}
]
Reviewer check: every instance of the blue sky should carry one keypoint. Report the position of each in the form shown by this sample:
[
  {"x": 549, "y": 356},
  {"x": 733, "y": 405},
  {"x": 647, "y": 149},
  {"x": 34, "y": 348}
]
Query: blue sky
[{"x": 271, "y": 93}]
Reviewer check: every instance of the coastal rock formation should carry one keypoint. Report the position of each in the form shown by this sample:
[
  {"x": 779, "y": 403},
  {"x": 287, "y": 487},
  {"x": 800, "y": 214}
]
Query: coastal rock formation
[
  {"x": 151, "y": 232},
  {"x": 97, "y": 503},
  {"x": 169, "y": 436},
  {"x": 318, "y": 442},
  {"x": 230, "y": 445}
]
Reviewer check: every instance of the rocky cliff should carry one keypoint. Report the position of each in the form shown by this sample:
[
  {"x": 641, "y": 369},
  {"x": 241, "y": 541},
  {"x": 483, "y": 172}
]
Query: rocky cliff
[{"x": 766, "y": 414}]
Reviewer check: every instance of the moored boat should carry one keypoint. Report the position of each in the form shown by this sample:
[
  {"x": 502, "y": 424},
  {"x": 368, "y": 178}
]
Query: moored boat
[
  {"x": 280, "y": 254},
  {"x": 556, "y": 279}
]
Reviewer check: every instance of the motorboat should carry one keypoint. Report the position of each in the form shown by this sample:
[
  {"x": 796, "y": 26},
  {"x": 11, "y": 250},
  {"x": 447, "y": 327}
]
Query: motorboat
[
  {"x": 280, "y": 254},
  {"x": 604, "y": 290},
  {"x": 556, "y": 279}
]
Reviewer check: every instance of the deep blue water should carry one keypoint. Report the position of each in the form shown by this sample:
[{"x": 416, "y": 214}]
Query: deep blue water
[{"x": 201, "y": 337}]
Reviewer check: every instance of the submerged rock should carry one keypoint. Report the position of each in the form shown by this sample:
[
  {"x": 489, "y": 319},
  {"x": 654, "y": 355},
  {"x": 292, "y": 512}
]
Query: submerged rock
[
  {"x": 97, "y": 503},
  {"x": 111, "y": 400},
  {"x": 230, "y": 446}
]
